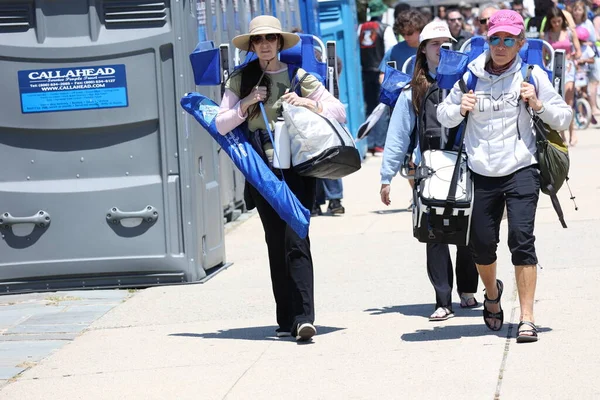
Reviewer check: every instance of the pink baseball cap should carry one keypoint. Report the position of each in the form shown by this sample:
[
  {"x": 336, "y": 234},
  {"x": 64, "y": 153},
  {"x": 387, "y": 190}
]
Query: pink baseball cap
[{"x": 505, "y": 21}]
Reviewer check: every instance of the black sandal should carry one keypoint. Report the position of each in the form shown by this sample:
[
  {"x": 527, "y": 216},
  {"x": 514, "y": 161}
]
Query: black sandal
[
  {"x": 499, "y": 315},
  {"x": 532, "y": 334}
]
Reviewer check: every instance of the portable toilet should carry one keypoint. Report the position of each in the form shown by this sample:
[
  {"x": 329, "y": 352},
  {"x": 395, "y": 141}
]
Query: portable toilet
[{"x": 110, "y": 183}]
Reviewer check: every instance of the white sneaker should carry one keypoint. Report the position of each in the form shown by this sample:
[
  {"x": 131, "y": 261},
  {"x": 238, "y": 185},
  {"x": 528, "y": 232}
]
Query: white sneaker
[
  {"x": 305, "y": 332},
  {"x": 283, "y": 334}
]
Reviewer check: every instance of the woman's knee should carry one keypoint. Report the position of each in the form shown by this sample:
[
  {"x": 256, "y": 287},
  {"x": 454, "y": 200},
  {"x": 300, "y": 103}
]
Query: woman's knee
[
  {"x": 521, "y": 242},
  {"x": 483, "y": 249}
]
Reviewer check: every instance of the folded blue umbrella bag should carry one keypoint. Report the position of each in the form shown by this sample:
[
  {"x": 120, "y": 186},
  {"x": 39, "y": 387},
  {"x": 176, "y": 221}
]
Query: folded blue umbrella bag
[{"x": 252, "y": 166}]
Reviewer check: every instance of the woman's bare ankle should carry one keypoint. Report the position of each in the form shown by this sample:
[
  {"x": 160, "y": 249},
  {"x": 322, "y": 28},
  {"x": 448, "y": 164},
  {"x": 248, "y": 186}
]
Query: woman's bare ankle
[{"x": 527, "y": 317}]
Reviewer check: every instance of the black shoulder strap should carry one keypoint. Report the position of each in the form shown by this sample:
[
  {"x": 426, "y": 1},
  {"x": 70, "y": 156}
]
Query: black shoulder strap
[{"x": 451, "y": 199}]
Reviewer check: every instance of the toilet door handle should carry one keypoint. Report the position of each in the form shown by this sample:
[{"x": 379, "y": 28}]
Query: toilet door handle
[
  {"x": 41, "y": 219},
  {"x": 148, "y": 214}
]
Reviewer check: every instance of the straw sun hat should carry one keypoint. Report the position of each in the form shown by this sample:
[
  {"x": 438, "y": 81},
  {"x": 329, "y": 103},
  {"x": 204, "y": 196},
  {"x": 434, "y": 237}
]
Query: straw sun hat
[{"x": 263, "y": 25}]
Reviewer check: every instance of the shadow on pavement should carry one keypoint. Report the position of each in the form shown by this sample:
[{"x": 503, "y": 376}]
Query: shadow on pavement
[
  {"x": 424, "y": 310},
  {"x": 450, "y": 332},
  {"x": 251, "y": 333}
]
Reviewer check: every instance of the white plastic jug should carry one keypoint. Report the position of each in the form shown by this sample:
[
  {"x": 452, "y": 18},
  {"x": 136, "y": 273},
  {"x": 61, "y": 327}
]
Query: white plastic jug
[{"x": 282, "y": 157}]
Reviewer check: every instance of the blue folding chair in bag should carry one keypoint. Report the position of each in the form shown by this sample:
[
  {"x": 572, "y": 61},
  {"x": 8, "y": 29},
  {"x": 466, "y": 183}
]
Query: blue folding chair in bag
[
  {"x": 310, "y": 54},
  {"x": 393, "y": 83},
  {"x": 207, "y": 67}
]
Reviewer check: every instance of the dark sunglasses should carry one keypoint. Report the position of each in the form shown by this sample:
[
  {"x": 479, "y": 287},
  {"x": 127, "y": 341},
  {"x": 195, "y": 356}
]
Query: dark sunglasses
[
  {"x": 258, "y": 39},
  {"x": 455, "y": 19},
  {"x": 483, "y": 21},
  {"x": 508, "y": 42}
]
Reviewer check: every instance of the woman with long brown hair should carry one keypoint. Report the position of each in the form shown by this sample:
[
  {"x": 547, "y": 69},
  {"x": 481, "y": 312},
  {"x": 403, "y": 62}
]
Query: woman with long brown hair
[
  {"x": 561, "y": 36},
  {"x": 411, "y": 109}
]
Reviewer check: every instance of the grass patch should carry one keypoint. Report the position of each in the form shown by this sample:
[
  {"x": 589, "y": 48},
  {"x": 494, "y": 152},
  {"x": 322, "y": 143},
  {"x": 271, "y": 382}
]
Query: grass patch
[
  {"x": 55, "y": 300},
  {"x": 27, "y": 364}
]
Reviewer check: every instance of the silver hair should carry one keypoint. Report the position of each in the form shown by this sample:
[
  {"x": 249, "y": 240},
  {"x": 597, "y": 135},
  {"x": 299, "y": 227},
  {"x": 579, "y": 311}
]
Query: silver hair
[{"x": 489, "y": 5}]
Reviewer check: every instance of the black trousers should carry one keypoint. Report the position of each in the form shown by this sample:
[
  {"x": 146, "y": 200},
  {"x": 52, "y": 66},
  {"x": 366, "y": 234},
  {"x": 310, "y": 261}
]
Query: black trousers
[
  {"x": 439, "y": 269},
  {"x": 290, "y": 259},
  {"x": 520, "y": 192},
  {"x": 371, "y": 89}
]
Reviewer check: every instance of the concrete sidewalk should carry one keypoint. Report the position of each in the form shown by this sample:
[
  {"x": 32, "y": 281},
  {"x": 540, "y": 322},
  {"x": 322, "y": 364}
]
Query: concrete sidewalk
[{"x": 373, "y": 297}]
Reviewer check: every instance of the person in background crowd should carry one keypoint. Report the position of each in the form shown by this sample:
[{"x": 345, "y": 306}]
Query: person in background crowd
[
  {"x": 582, "y": 76},
  {"x": 397, "y": 10},
  {"x": 596, "y": 66},
  {"x": 469, "y": 14},
  {"x": 501, "y": 148},
  {"x": 596, "y": 21},
  {"x": 561, "y": 37},
  {"x": 537, "y": 25},
  {"x": 426, "y": 11},
  {"x": 486, "y": 12},
  {"x": 580, "y": 17},
  {"x": 266, "y": 80},
  {"x": 517, "y": 6},
  {"x": 455, "y": 24},
  {"x": 441, "y": 14},
  {"x": 402, "y": 125},
  {"x": 409, "y": 24},
  {"x": 333, "y": 191},
  {"x": 529, "y": 6},
  {"x": 375, "y": 39}
]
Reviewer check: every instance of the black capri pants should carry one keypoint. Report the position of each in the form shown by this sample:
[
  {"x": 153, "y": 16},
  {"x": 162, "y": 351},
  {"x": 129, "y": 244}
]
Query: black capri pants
[{"x": 519, "y": 191}]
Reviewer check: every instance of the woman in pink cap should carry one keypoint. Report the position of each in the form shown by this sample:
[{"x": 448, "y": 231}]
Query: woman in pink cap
[{"x": 501, "y": 150}]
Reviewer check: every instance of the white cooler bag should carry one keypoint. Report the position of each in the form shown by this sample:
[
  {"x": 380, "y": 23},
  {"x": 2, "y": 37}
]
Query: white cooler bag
[
  {"x": 438, "y": 218},
  {"x": 321, "y": 147}
]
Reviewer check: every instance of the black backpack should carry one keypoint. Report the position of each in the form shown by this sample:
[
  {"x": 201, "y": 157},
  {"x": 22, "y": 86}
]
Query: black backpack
[{"x": 428, "y": 128}]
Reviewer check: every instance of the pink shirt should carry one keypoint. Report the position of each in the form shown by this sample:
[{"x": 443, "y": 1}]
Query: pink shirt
[{"x": 230, "y": 115}]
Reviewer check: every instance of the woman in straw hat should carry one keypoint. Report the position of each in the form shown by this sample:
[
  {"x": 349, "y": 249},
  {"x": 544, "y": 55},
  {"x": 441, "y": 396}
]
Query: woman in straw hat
[{"x": 267, "y": 80}]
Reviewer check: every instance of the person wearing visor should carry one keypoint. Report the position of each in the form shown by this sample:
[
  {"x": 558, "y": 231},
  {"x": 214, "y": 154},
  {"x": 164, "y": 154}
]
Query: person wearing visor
[
  {"x": 266, "y": 80},
  {"x": 501, "y": 148},
  {"x": 412, "y": 103}
]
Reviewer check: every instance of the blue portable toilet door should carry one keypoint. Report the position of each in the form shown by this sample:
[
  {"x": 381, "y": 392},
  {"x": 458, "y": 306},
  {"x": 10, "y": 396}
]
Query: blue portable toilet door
[{"x": 333, "y": 18}]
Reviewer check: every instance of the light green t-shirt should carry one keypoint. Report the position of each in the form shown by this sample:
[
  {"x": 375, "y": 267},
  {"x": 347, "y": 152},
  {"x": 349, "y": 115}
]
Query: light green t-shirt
[{"x": 280, "y": 82}]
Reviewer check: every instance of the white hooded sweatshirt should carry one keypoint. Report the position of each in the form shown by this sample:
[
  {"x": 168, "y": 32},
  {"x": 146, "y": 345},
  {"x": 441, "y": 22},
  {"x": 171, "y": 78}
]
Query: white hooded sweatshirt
[{"x": 492, "y": 141}]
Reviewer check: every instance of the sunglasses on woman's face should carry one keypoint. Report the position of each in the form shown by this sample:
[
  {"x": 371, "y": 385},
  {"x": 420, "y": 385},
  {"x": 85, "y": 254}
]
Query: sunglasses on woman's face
[
  {"x": 508, "y": 42},
  {"x": 483, "y": 21},
  {"x": 271, "y": 37}
]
